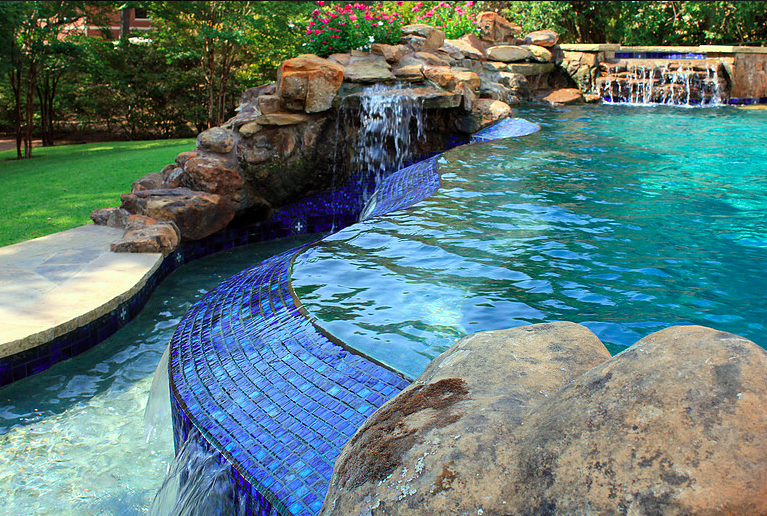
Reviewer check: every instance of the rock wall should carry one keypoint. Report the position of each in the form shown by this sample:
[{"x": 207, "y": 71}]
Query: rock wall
[
  {"x": 540, "y": 420},
  {"x": 297, "y": 136}
]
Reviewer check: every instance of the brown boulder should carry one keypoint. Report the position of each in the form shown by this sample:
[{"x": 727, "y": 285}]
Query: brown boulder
[
  {"x": 542, "y": 38},
  {"x": 101, "y": 215},
  {"x": 184, "y": 156},
  {"x": 214, "y": 176},
  {"x": 438, "y": 448},
  {"x": 196, "y": 214},
  {"x": 564, "y": 96},
  {"x": 309, "y": 83},
  {"x": 374, "y": 69},
  {"x": 268, "y": 104},
  {"x": 148, "y": 182},
  {"x": 392, "y": 53},
  {"x": 421, "y": 37},
  {"x": 494, "y": 28},
  {"x": 540, "y": 420},
  {"x": 216, "y": 139},
  {"x": 464, "y": 49},
  {"x": 674, "y": 425},
  {"x": 508, "y": 53},
  {"x": 484, "y": 112},
  {"x": 412, "y": 72},
  {"x": 516, "y": 83},
  {"x": 540, "y": 54},
  {"x": 146, "y": 235}
]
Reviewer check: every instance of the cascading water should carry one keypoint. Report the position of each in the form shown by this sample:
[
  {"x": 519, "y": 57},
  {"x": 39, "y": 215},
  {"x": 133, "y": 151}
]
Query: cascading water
[
  {"x": 157, "y": 411},
  {"x": 391, "y": 123},
  {"x": 679, "y": 83},
  {"x": 197, "y": 484}
]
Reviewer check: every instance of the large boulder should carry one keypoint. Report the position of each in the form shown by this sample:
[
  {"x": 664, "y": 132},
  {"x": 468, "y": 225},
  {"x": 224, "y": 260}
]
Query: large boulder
[
  {"x": 464, "y": 48},
  {"x": 484, "y": 112},
  {"x": 516, "y": 83},
  {"x": 540, "y": 54},
  {"x": 564, "y": 96},
  {"x": 439, "y": 447},
  {"x": 146, "y": 235},
  {"x": 392, "y": 53},
  {"x": 150, "y": 181},
  {"x": 196, "y": 214},
  {"x": 542, "y": 38},
  {"x": 207, "y": 174},
  {"x": 421, "y": 37},
  {"x": 374, "y": 69},
  {"x": 508, "y": 53},
  {"x": 217, "y": 140},
  {"x": 309, "y": 83},
  {"x": 540, "y": 420},
  {"x": 494, "y": 28}
]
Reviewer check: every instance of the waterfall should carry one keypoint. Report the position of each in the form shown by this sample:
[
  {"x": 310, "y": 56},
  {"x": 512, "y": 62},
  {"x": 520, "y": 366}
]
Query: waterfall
[
  {"x": 391, "y": 123},
  {"x": 197, "y": 483},
  {"x": 157, "y": 411},
  {"x": 678, "y": 83}
]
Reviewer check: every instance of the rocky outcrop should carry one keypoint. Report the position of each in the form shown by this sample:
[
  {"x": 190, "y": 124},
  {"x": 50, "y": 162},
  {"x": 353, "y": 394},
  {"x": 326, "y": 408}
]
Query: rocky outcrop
[
  {"x": 540, "y": 420},
  {"x": 494, "y": 28},
  {"x": 146, "y": 235},
  {"x": 295, "y": 137},
  {"x": 309, "y": 83},
  {"x": 195, "y": 214},
  {"x": 564, "y": 96}
]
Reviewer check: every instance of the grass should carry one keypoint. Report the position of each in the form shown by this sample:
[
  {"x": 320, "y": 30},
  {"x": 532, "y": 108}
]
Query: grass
[{"x": 59, "y": 187}]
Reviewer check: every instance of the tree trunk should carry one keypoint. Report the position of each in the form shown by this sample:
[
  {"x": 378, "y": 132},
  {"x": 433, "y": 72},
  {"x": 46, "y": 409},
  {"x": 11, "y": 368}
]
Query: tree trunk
[
  {"x": 15, "y": 77},
  {"x": 210, "y": 76},
  {"x": 31, "y": 83},
  {"x": 125, "y": 13}
]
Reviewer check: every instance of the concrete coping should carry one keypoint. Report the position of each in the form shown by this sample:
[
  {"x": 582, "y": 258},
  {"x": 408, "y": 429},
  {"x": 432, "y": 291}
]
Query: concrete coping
[
  {"x": 52, "y": 285},
  {"x": 702, "y": 49}
]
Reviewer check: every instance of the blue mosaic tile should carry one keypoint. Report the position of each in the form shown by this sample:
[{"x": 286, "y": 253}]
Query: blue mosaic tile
[{"x": 506, "y": 128}]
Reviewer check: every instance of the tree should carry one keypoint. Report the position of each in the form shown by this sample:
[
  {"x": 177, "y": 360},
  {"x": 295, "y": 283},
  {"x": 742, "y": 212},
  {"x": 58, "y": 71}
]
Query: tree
[
  {"x": 37, "y": 51},
  {"x": 222, "y": 34}
]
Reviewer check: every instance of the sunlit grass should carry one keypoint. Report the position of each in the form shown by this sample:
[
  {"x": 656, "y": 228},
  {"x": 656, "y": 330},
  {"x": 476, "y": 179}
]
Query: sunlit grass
[{"x": 59, "y": 187}]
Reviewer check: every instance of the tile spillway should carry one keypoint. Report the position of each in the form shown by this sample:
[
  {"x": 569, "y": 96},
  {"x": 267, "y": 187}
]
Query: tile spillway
[{"x": 263, "y": 387}]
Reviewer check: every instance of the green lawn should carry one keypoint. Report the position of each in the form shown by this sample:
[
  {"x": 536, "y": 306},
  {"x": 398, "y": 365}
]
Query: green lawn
[{"x": 59, "y": 187}]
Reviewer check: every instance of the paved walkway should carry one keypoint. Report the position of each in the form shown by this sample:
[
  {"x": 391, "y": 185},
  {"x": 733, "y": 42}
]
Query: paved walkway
[{"x": 54, "y": 284}]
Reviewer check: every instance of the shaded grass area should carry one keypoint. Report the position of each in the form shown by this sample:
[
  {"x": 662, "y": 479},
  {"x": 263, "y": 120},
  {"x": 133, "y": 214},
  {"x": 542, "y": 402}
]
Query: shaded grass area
[{"x": 59, "y": 187}]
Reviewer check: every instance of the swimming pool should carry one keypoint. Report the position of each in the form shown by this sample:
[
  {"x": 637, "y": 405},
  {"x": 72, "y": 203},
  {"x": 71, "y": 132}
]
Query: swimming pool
[
  {"x": 72, "y": 438},
  {"x": 625, "y": 219}
]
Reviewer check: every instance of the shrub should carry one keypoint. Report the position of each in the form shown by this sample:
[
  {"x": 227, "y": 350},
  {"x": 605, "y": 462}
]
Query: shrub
[
  {"x": 336, "y": 28},
  {"x": 454, "y": 20}
]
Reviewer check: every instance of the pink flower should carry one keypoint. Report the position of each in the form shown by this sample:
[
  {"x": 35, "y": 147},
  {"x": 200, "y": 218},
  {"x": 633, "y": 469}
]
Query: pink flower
[
  {"x": 368, "y": 17},
  {"x": 352, "y": 17},
  {"x": 320, "y": 3},
  {"x": 333, "y": 15},
  {"x": 311, "y": 23},
  {"x": 315, "y": 12},
  {"x": 308, "y": 31},
  {"x": 324, "y": 20},
  {"x": 399, "y": 3},
  {"x": 414, "y": 9},
  {"x": 469, "y": 4},
  {"x": 317, "y": 31}
]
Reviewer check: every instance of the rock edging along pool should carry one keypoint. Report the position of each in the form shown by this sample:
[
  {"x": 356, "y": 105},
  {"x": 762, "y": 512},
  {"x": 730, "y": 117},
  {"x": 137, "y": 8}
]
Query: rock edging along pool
[{"x": 262, "y": 386}]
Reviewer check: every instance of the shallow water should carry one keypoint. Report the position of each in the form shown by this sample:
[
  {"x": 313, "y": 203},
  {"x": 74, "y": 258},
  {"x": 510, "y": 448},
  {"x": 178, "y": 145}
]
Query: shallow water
[
  {"x": 625, "y": 219},
  {"x": 72, "y": 439}
]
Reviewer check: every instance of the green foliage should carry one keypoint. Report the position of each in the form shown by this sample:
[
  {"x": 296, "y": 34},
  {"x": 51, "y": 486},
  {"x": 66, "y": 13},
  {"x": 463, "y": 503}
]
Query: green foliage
[
  {"x": 334, "y": 28},
  {"x": 644, "y": 22},
  {"x": 454, "y": 19},
  {"x": 59, "y": 188}
]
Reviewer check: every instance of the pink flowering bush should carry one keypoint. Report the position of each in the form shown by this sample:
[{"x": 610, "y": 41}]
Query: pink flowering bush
[
  {"x": 453, "y": 19},
  {"x": 337, "y": 28}
]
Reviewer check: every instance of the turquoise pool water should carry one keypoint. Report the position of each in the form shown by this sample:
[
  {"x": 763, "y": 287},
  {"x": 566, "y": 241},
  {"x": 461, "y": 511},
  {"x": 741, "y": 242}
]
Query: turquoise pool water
[
  {"x": 72, "y": 438},
  {"x": 625, "y": 219}
]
